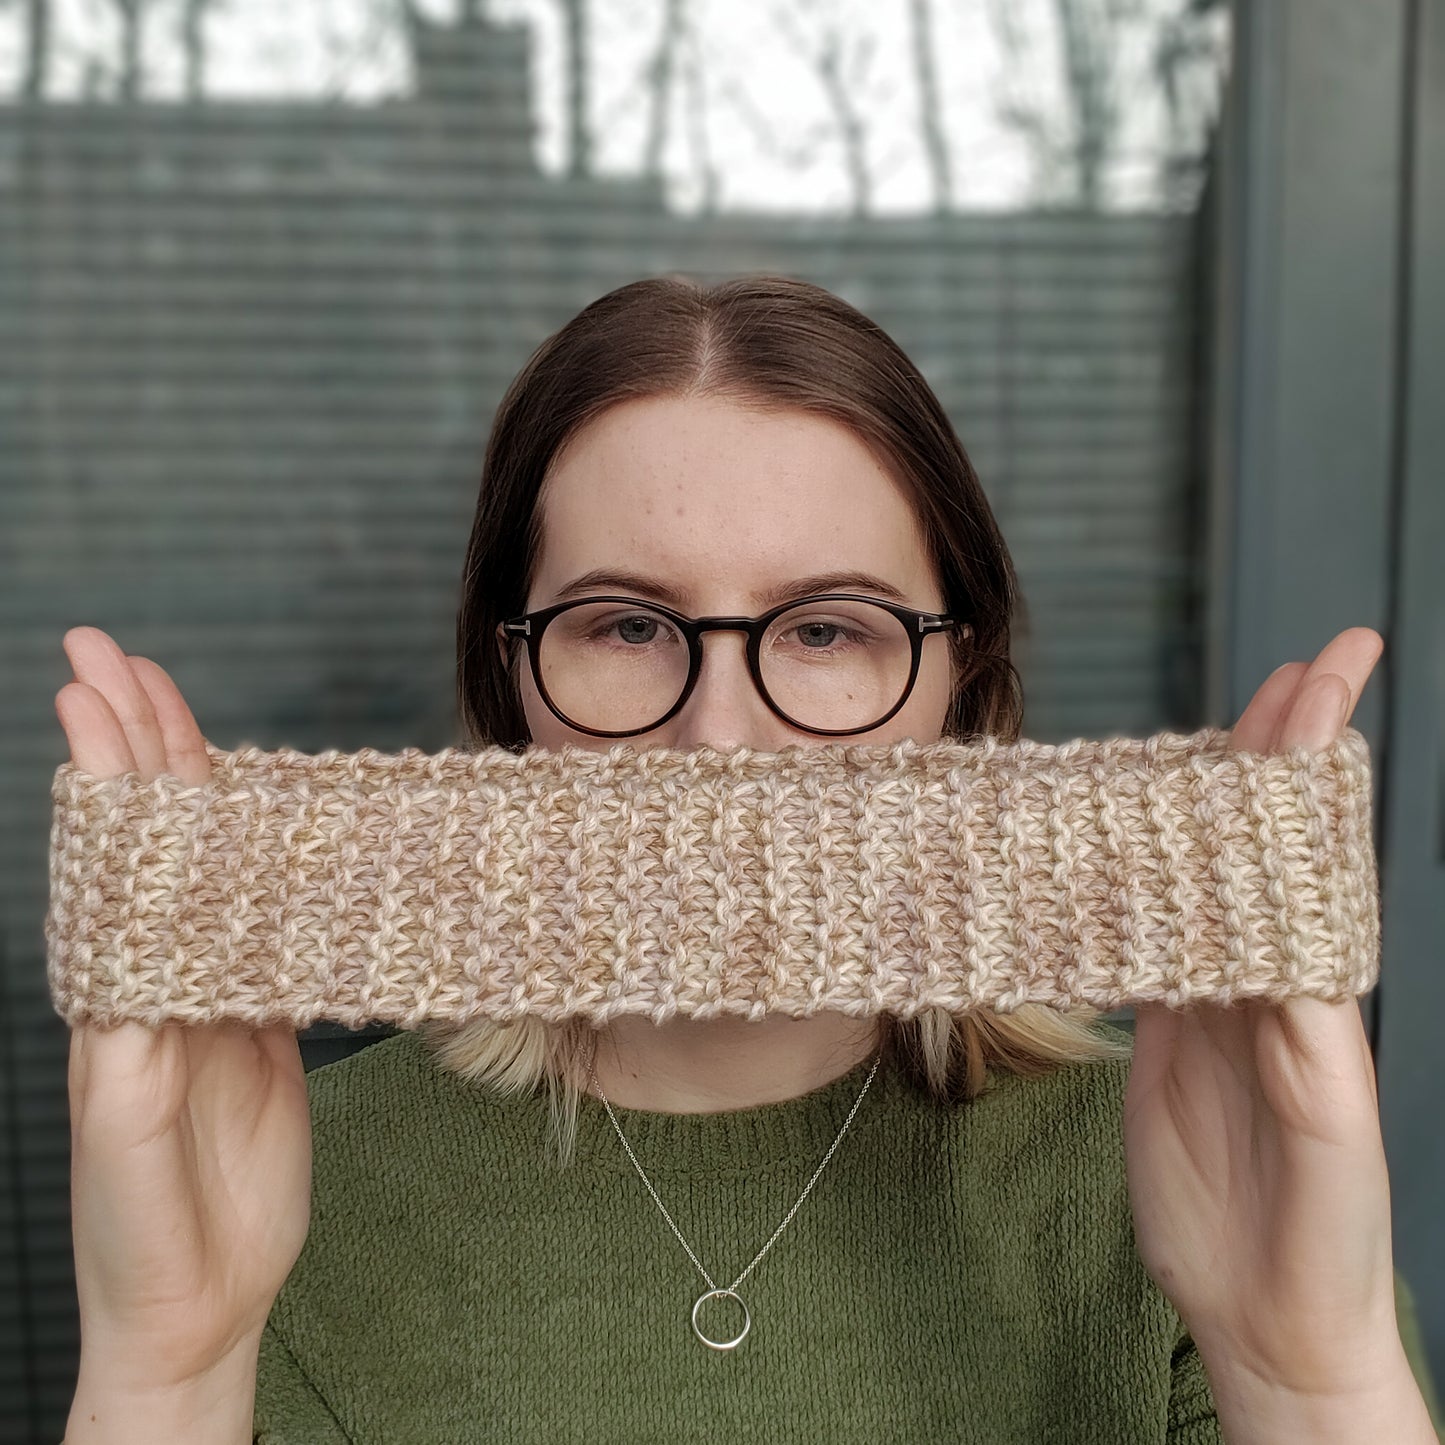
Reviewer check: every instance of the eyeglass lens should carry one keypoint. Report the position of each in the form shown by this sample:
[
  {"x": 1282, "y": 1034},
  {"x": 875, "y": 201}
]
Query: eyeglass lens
[{"x": 827, "y": 665}]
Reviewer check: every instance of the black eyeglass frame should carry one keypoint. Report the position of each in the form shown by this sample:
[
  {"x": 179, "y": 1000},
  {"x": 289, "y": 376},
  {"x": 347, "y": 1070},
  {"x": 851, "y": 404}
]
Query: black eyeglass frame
[{"x": 530, "y": 626}]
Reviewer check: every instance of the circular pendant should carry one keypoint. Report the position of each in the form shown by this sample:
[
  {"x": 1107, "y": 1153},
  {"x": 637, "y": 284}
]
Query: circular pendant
[{"x": 721, "y": 1344}]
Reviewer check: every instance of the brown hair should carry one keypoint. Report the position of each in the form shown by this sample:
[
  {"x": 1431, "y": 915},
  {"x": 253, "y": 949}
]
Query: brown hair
[{"x": 780, "y": 343}]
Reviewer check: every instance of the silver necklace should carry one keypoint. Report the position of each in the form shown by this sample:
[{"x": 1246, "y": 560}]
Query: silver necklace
[{"x": 712, "y": 1289}]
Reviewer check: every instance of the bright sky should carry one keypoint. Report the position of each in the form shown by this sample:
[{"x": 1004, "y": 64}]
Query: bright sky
[{"x": 771, "y": 135}]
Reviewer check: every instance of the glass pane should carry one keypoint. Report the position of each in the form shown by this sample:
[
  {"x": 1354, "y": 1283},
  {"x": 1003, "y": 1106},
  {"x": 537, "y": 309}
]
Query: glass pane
[{"x": 265, "y": 271}]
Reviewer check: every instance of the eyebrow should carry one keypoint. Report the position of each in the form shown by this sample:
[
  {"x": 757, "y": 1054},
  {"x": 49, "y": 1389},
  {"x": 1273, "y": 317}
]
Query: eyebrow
[{"x": 636, "y": 582}]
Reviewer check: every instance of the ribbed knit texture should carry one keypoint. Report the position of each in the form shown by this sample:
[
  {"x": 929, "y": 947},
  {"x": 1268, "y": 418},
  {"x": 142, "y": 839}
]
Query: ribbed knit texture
[
  {"x": 963, "y": 1273},
  {"x": 569, "y": 883}
]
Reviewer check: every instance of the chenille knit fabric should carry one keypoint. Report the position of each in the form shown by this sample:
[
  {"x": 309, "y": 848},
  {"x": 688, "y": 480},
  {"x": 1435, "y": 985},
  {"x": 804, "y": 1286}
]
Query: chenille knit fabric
[
  {"x": 958, "y": 1273},
  {"x": 569, "y": 883}
]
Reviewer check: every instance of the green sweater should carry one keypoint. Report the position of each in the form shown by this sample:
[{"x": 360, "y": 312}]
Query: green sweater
[{"x": 961, "y": 1273}]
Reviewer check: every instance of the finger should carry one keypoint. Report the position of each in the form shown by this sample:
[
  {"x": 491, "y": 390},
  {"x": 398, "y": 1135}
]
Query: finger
[
  {"x": 1316, "y": 714},
  {"x": 1320, "y": 1068},
  {"x": 185, "y": 748},
  {"x": 98, "y": 743},
  {"x": 1156, "y": 1032},
  {"x": 103, "y": 1056},
  {"x": 1328, "y": 692},
  {"x": 100, "y": 663},
  {"x": 76, "y": 1073},
  {"x": 1259, "y": 723}
]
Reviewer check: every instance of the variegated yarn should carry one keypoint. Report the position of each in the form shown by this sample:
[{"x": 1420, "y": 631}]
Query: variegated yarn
[{"x": 864, "y": 878}]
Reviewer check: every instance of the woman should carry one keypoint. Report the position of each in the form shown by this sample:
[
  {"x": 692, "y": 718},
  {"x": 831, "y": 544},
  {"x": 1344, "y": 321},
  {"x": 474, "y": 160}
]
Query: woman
[{"x": 984, "y": 1256}]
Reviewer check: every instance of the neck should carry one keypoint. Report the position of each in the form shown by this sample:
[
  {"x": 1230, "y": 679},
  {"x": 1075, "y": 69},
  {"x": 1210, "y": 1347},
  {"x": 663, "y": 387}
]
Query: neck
[{"x": 707, "y": 1066}]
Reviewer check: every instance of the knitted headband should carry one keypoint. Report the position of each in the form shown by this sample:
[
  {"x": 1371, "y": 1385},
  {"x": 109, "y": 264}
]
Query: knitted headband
[{"x": 862, "y": 878}]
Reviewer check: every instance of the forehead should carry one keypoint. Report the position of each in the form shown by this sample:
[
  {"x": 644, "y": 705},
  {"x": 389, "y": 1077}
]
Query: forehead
[{"x": 693, "y": 481}]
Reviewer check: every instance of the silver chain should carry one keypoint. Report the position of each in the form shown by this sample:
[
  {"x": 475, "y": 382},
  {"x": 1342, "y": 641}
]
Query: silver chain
[{"x": 713, "y": 1290}]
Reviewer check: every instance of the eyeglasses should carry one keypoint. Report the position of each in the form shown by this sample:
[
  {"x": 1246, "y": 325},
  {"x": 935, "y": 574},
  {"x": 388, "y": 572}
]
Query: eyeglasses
[{"x": 616, "y": 666}]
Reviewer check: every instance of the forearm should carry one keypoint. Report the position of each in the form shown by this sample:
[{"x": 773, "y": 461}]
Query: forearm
[
  {"x": 1388, "y": 1406},
  {"x": 215, "y": 1409}
]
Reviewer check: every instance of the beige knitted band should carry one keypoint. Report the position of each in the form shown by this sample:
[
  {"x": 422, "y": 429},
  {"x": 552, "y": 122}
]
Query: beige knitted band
[{"x": 863, "y": 878}]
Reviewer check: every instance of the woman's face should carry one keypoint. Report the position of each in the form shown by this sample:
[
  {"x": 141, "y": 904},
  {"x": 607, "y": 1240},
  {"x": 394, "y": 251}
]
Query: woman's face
[{"x": 722, "y": 503}]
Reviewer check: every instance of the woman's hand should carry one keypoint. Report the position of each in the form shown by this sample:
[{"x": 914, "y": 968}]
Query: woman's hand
[
  {"x": 1252, "y": 1137},
  {"x": 190, "y": 1145}
]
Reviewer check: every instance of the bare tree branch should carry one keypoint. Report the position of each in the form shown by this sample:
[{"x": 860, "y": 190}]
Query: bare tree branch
[
  {"x": 1080, "y": 140},
  {"x": 1188, "y": 64},
  {"x": 825, "y": 56},
  {"x": 930, "y": 109},
  {"x": 660, "y": 72},
  {"x": 1091, "y": 34},
  {"x": 579, "y": 148},
  {"x": 37, "y": 49},
  {"x": 193, "y": 45},
  {"x": 697, "y": 122},
  {"x": 385, "y": 19},
  {"x": 806, "y": 144},
  {"x": 131, "y": 14}
]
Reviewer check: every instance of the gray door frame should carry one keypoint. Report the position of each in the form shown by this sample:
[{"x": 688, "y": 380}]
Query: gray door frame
[{"x": 1327, "y": 476}]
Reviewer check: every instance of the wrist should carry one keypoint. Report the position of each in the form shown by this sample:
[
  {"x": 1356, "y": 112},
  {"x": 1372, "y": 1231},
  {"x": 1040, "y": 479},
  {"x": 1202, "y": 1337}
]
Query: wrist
[
  {"x": 111, "y": 1407},
  {"x": 1385, "y": 1405}
]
